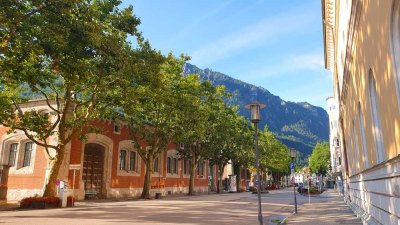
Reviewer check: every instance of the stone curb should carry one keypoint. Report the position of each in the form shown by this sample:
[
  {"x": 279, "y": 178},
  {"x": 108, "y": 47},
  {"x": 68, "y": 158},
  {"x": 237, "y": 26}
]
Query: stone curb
[{"x": 285, "y": 219}]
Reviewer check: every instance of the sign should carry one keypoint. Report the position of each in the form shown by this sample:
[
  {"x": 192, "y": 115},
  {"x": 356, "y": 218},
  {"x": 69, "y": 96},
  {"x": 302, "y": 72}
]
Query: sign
[
  {"x": 74, "y": 166},
  {"x": 291, "y": 165},
  {"x": 292, "y": 171}
]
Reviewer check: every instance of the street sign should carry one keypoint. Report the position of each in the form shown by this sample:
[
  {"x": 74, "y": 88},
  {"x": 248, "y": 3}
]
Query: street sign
[
  {"x": 291, "y": 165},
  {"x": 74, "y": 166}
]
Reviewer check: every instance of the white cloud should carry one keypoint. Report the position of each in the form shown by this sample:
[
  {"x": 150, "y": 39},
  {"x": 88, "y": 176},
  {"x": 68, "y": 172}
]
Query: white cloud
[
  {"x": 312, "y": 61},
  {"x": 252, "y": 36},
  {"x": 198, "y": 21}
]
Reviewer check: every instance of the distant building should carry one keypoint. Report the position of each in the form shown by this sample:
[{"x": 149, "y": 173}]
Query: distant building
[
  {"x": 362, "y": 49},
  {"x": 108, "y": 162},
  {"x": 334, "y": 143}
]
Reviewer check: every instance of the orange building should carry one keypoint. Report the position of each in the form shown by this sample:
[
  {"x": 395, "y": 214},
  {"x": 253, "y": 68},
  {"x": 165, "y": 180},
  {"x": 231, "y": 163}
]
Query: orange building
[{"x": 107, "y": 165}]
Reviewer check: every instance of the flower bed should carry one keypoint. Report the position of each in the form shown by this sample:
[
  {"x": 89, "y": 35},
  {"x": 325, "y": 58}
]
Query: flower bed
[{"x": 40, "y": 202}]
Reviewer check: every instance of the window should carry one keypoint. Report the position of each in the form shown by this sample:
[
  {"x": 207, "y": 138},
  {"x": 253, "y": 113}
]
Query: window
[
  {"x": 28, "y": 154},
  {"x": 122, "y": 160},
  {"x": 376, "y": 122},
  {"x": 117, "y": 129},
  {"x": 185, "y": 166},
  {"x": 172, "y": 161},
  {"x": 132, "y": 161},
  {"x": 156, "y": 165},
  {"x": 13, "y": 154},
  {"x": 355, "y": 148},
  {"x": 129, "y": 161},
  {"x": 172, "y": 165},
  {"x": 362, "y": 134},
  {"x": 169, "y": 165},
  {"x": 395, "y": 41},
  {"x": 200, "y": 168},
  {"x": 175, "y": 165}
]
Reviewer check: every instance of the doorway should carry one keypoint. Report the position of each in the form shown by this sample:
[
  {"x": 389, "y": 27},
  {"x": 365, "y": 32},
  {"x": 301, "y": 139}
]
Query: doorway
[{"x": 93, "y": 170}]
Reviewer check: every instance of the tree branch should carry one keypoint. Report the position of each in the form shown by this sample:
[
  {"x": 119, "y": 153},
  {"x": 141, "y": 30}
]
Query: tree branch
[{"x": 32, "y": 138}]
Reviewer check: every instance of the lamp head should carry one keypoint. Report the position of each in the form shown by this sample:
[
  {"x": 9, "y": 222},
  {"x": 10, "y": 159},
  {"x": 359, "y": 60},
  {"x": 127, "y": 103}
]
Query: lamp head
[
  {"x": 293, "y": 153},
  {"x": 255, "y": 110}
]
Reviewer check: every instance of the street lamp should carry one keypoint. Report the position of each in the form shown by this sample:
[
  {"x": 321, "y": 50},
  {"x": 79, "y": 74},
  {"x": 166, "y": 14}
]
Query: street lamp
[
  {"x": 293, "y": 154},
  {"x": 255, "y": 118}
]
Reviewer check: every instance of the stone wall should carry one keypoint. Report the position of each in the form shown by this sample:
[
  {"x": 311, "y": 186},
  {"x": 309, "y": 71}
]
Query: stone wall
[{"x": 374, "y": 194}]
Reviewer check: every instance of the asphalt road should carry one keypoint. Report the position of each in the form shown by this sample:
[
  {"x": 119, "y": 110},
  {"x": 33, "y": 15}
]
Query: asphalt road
[{"x": 229, "y": 208}]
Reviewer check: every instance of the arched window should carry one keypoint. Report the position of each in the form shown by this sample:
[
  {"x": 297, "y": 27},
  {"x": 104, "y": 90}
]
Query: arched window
[
  {"x": 376, "y": 121},
  {"x": 172, "y": 162},
  {"x": 362, "y": 134},
  {"x": 395, "y": 41},
  {"x": 129, "y": 161},
  {"x": 355, "y": 148}
]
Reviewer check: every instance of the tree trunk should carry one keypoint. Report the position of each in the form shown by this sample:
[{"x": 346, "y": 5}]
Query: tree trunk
[
  {"x": 192, "y": 175},
  {"x": 147, "y": 179},
  {"x": 237, "y": 171},
  {"x": 220, "y": 173},
  {"x": 51, "y": 187}
]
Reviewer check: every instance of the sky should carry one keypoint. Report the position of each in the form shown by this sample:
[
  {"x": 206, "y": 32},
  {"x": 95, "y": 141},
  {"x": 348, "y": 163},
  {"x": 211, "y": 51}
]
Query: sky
[{"x": 275, "y": 44}]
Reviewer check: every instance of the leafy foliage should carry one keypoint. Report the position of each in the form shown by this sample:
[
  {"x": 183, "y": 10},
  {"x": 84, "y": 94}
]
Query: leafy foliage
[
  {"x": 320, "y": 158},
  {"x": 67, "y": 53},
  {"x": 274, "y": 154}
]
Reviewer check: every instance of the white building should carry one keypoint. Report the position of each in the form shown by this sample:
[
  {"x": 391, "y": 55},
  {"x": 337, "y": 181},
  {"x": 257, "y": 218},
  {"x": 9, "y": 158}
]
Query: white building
[{"x": 334, "y": 142}]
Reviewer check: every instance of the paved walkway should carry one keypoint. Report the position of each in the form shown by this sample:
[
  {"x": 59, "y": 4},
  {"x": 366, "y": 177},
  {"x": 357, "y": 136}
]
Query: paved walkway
[{"x": 326, "y": 209}]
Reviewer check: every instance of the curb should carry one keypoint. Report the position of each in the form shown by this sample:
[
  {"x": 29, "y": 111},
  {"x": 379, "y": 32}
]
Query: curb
[{"x": 285, "y": 219}]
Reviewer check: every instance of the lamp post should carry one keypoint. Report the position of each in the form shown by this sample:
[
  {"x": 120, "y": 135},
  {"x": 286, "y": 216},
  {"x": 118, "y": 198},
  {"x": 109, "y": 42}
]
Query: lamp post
[
  {"x": 255, "y": 118},
  {"x": 293, "y": 154}
]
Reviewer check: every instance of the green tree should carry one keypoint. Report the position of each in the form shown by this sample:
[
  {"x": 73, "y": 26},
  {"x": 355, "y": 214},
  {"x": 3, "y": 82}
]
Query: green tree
[
  {"x": 195, "y": 100},
  {"x": 274, "y": 155},
  {"x": 229, "y": 139},
  {"x": 320, "y": 158},
  {"x": 68, "y": 53},
  {"x": 150, "y": 107}
]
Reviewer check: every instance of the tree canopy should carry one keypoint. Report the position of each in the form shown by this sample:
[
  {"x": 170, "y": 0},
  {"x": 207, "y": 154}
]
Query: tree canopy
[
  {"x": 75, "y": 56},
  {"x": 68, "y": 54},
  {"x": 320, "y": 158}
]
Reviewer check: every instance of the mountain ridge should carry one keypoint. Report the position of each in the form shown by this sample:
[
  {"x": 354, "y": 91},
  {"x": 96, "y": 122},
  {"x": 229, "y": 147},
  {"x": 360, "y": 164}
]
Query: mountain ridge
[{"x": 299, "y": 125}]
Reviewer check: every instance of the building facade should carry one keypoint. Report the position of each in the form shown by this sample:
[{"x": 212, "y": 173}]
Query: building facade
[
  {"x": 362, "y": 49},
  {"x": 106, "y": 165},
  {"x": 334, "y": 143}
]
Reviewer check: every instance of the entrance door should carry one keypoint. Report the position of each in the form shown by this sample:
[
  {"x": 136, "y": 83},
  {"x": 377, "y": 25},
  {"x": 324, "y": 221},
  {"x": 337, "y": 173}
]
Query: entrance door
[{"x": 93, "y": 164}]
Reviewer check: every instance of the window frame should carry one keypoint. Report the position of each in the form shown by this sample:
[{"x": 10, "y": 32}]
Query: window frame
[
  {"x": 395, "y": 46},
  {"x": 122, "y": 163},
  {"x": 129, "y": 147},
  {"x": 13, "y": 152},
  {"x": 362, "y": 135},
  {"x": 27, "y": 161},
  {"x": 172, "y": 162},
  {"x": 201, "y": 170},
  {"x": 376, "y": 120},
  {"x": 134, "y": 167}
]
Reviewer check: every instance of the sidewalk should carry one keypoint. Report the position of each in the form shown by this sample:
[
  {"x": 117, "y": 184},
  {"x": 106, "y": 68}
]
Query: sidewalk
[{"x": 326, "y": 209}]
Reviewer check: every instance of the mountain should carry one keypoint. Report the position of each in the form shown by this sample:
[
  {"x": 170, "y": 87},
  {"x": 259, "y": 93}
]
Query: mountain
[{"x": 297, "y": 125}]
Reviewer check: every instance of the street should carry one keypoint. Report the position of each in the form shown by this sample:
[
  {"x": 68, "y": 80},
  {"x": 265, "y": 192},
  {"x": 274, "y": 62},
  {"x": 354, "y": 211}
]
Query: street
[{"x": 229, "y": 208}]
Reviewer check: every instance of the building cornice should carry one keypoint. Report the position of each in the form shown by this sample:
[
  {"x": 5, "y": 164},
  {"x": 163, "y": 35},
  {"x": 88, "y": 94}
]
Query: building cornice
[{"x": 328, "y": 25}]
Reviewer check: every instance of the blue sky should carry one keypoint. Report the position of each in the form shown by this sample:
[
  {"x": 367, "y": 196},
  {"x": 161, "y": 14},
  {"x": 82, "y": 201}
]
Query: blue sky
[{"x": 273, "y": 44}]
